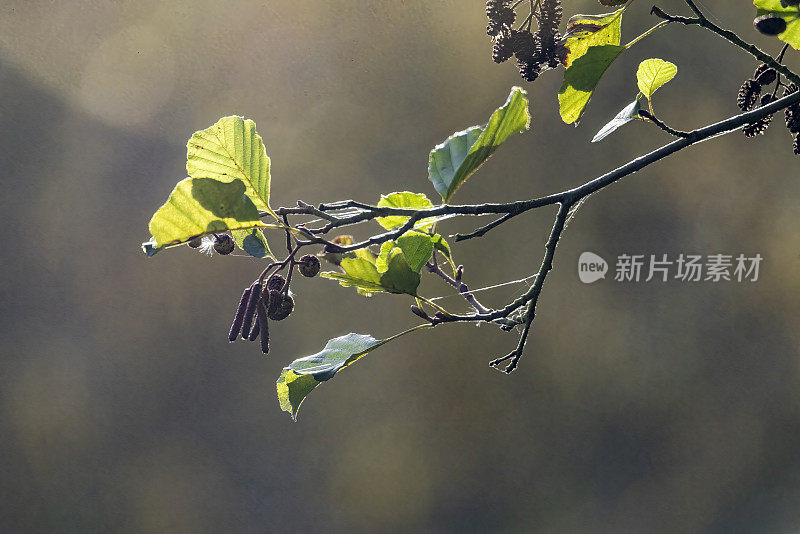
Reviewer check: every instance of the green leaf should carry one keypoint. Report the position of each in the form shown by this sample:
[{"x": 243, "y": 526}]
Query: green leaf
[
  {"x": 382, "y": 261},
  {"x": 460, "y": 155},
  {"x": 629, "y": 113},
  {"x": 358, "y": 273},
  {"x": 253, "y": 242},
  {"x": 304, "y": 374},
  {"x": 581, "y": 78},
  {"x": 231, "y": 150},
  {"x": 417, "y": 248},
  {"x": 405, "y": 199},
  {"x": 584, "y": 31},
  {"x": 790, "y": 14},
  {"x": 652, "y": 74},
  {"x": 394, "y": 276},
  {"x": 199, "y": 206}
]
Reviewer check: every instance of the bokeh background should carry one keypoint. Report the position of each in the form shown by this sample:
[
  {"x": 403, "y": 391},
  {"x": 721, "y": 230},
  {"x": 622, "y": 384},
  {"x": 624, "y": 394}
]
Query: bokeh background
[{"x": 649, "y": 407}]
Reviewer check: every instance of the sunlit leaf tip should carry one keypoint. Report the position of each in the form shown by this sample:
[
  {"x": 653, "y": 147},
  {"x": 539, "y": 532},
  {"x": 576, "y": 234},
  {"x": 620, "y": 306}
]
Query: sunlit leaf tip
[{"x": 628, "y": 113}]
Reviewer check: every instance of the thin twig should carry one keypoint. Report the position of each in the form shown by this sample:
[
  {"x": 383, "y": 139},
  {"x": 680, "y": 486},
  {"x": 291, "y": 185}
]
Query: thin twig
[
  {"x": 652, "y": 118},
  {"x": 536, "y": 289}
]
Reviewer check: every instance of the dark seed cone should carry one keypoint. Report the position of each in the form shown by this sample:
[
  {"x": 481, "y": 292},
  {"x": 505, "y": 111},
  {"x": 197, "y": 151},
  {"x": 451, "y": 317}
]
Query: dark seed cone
[
  {"x": 759, "y": 127},
  {"x": 263, "y": 324},
  {"x": 256, "y": 328},
  {"x": 195, "y": 243},
  {"x": 792, "y": 113},
  {"x": 748, "y": 95},
  {"x": 236, "y": 327},
  {"x": 223, "y": 244},
  {"x": 796, "y": 144},
  {"x": 247, "y": 322},
  {"x": 766, "y": 76},
  {"x": 309, "y": 266},
  {"x": 282, "y": 310},
  {"x": 761, "y": 68},
  {"x": 493, "y": 28},
  {"x": 276, "y": 282}
]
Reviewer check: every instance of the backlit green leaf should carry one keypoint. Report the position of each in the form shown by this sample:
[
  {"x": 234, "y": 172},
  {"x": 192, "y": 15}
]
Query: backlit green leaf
[
  {"x": 231, "y": 150},
  {"x": 417, "y": 248},
  {"x": 584, "y": 31},
  {"x": 304, "y": 374},
  {"x": 405, "y": 199},
  {"x": 293, "y": 389},
  {"x": 460, "y": 155},
  {"x": 391, "y": 274},
  {"x": 581, "y": 78},
  {"x": 791, "y": 14},
  {"x": 199, "y": 206},
  {"x": 652, "y": 74}
]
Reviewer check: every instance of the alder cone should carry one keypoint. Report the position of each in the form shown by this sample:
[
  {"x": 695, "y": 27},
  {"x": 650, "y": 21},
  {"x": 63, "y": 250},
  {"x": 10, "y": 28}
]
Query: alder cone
[{"x": 223, "y": 244}]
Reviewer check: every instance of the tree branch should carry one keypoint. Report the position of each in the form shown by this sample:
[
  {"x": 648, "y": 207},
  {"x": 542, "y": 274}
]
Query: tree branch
[
  {"x": 728, "y": 35},
  {"x": 536, "y": 288}
]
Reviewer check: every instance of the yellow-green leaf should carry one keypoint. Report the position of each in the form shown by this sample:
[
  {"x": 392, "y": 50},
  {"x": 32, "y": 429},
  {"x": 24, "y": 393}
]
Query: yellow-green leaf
[
  {"x": 652, "y": 74},
  {"x": 581, "y": 78},
  {"x": 405, "y": 199},
  {"x": 199, "y": 206},
  {"x": 584, "y": 31},
  {"x": 391, "y": 274},
  {"x": 231, "y": 150}
]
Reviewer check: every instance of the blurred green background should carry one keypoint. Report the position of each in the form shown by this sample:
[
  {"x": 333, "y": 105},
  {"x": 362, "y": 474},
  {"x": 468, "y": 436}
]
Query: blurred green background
[{"x": 649, "y": 407}]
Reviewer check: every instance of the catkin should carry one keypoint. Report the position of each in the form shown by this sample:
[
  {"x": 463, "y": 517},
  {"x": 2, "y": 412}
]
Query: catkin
[
  {"x": 236, "y": 327},
  {"x": 247, "y": 322}
]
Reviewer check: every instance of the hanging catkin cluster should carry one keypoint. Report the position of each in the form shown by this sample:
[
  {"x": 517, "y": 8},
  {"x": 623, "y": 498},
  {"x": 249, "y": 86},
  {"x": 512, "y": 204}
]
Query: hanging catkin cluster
[
  {"x": 534, "y": 51},
  {"x": 750, "y": 98},
  {"x": 749, "y": 94},
  {"x": 270, "y": 301}
]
